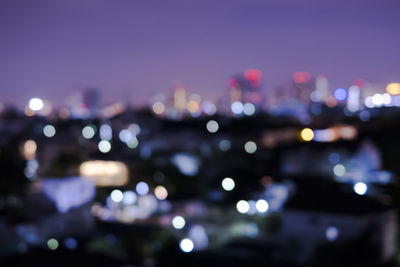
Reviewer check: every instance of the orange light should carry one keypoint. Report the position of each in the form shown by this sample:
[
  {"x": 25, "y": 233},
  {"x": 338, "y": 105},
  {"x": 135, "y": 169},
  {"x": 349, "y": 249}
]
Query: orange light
[
  {"x": 393, "y": 88},
  {"x": 306, "y": 134}
]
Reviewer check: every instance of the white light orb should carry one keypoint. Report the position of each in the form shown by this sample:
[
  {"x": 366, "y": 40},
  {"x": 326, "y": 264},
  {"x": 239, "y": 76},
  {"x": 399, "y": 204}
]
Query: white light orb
[
  {"x": 360, "y": 188},
  {"x": 212, "y": 126},
  {"x": 339, "y": 170},
  {"x": 228, "y": 184},
  {"x": 35, "y": 104},
  {"x": 104, "y": 146},
  {"x": 186, "y": 245},
  {"x": 178, "y": 222},
  {"x": 142, "y": 188},
  {"x": 250, "y": 147},
  {"x": 262, "y": 205},
  {"x": 88, "y": 132},
  {"x": 49, "y": 130},
  {"x": 242, "y": 206},
  {"x": 116, "y": 195}
]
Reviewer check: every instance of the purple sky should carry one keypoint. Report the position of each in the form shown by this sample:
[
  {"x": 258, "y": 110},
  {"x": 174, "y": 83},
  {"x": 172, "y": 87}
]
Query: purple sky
[{"x": 132, "y": 49}]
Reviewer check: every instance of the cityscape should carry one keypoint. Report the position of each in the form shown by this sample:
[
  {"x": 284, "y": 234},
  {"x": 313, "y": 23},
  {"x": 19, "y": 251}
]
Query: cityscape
[{"x": 299, "y": 172}]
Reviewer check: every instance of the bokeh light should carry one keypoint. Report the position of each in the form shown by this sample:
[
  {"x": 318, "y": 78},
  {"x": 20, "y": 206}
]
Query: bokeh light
[
  {"x": 186, "y": 245},
  {"x": 250, "y": 147},
  {"x": 242, "y": 206},
  {"x": 306, "y": 134},
  {"x": 178, "y": 222},
  {"x": 160, "y": 192},
  {"x": 35, "y": 104},
  {"x": 104, "y": 146},
  {"x": 49, "y": 130},
  {"x": 142, "y": 188},
  {"x": 360, "y": 188},
  {"x": 212, "y": 126},
  {"x": 228, "y": 184}
]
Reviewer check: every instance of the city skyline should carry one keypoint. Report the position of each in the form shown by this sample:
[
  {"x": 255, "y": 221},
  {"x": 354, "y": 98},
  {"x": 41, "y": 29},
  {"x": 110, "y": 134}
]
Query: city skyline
[{"x": 132, "y": 50}]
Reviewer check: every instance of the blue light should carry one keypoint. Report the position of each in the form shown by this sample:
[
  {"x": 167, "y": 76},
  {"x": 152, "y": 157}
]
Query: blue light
[
  {"x": 340, "y": 94},
  {"x": 187, "y": 164}
]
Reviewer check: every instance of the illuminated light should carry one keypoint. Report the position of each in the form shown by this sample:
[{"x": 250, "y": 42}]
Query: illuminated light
[
  {"x": 193, "y": 106},
  {"x": 242, "y": 206},
  {"x": 46, "y": 110},
  {"x": 28, "y": 112},
  {"x": 178, "y": 222},
  {"x": 386, "y": 99},
  {"x": 52, "y": 243},
  {"x": 252, "y": 207},
  {"x": 340, "y": 94},
  {"x": 326, "y": 135},
  {"x": 253, "y": 76},
  {"x": 306, "y": 134},
  {"x": 393, "y": 88},
  {"x": 316, "y": 96},
  {"x": 331, "y": 233},
  {"x": 377, "y": 100},
  {"x": 160, "y": 192},
  {"x": 302, "y": 77},
  {"x": 186, "y": 245},
  {"x": 35, "y": 104},
  {"x": 228, "y": 184},
  {"x": 232, "y": 83},
  {"x": 142, "y": 188},
  {"x": 359, "y": 82},
  {"x": 198, "y": 235},
  {"x": 250, "y": 147},
  {"x": 331, "y": 101},
  {"x": 249, "y": 109},
  {"x": 262, "y": 205},
  {"x": 88, "y": 132},
  {"x": 353, "y": 101},
  {"x": 148, "y": 203},
  {"x": 368, "y": 102},
  {"x": 29, "y": 149},
  {"x": 49, "y": 130},
  {"x": 187, "y": 164},
  {"x": 129, "y": 197},
  {"x": 208, "y": 108},
  {"x": 105, "y": 173},
  {"x": 68, "y": 193},
  {"x": 125, "y": 135},
  {"x": 360, "y": 188},
  {"x": 104, "y": 146},
  {"x": 364, "y": 116},
  {"x": 180, "y": 98},
  {"x": 237, "y": 107},
  {"x": 224, "y": 145},
  {"x": 158, "y": 108},
  {"x": 117, "y": 195},
  {"x": 339, "y": 170},
  {"x": 133, "y": 143},
  {"x": 134, "y": 128},
  {"x": 212, "y": 126},
  {"x": 348, "y": 132},
  {"x": 105, "y": 132},
  {"x": 71, "y": 243}
]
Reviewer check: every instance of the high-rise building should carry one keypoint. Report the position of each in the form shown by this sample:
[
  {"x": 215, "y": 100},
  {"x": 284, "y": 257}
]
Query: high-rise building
[
  {"x": 246, "y": 88},
  {"x": 91, "y": 100}
]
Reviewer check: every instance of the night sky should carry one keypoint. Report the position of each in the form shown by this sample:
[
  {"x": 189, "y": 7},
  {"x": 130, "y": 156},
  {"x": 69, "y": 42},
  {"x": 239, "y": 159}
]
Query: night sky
[{"x": 132, "y": 49}]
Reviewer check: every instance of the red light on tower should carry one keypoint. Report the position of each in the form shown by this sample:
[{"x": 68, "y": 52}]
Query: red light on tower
[
  {"x": 302, "y": 77},
  {"x": 253, "y": 76},
  {"x": 359, "y": 82},
  {"x": 233, "y": 83}
]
